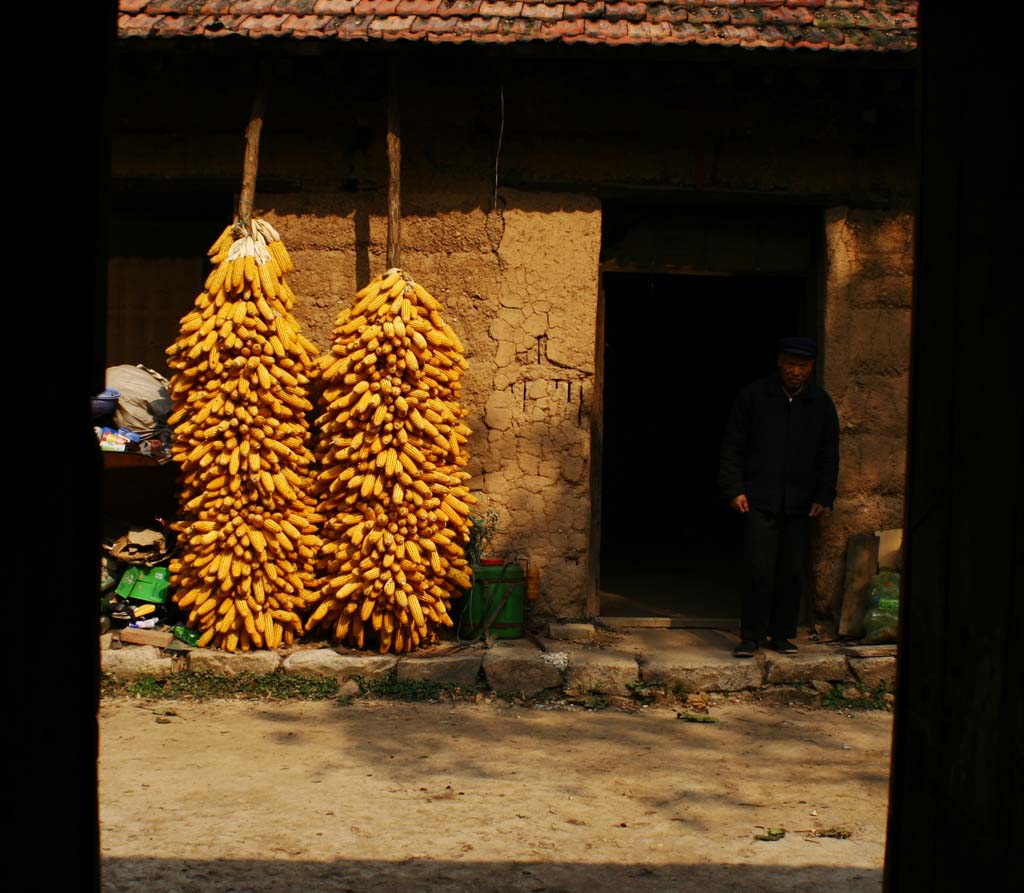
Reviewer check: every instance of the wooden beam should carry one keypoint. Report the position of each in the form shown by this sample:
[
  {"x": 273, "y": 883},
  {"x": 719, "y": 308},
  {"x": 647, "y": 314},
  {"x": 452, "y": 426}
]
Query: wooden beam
[
  {"x": 252, "y": 154},
  {"x": 394, "y": 247}
]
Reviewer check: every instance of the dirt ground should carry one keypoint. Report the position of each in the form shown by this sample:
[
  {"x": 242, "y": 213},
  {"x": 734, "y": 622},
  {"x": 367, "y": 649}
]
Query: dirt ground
[{"x": 220, "y": 796}]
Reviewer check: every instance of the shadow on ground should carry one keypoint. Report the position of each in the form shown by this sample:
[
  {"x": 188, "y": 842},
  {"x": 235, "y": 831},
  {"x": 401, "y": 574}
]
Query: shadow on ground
[{"x": 354, "y": 876}]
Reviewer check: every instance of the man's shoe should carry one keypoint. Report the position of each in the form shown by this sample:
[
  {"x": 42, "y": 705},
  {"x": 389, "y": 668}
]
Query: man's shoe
[
  {"x": 746, "y": 648},
  {"x": 783, "y": 646}
]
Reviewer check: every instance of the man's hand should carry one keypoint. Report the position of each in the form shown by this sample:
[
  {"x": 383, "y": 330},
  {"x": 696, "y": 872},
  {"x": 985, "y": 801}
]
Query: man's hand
[
  {"x": 817, "y": 509},
  {"x": 739, "y": 503}
]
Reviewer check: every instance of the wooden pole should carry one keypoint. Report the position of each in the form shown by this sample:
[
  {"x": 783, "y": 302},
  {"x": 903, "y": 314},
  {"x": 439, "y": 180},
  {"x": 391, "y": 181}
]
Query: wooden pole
[
  {"x": 394, "y": 249},
  {"x": 252, "y": 155}
]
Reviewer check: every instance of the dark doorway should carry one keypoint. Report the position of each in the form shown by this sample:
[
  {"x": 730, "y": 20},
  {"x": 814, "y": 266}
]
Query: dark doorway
[
  {"x": 677, "y": 348},
  {"x": 156, "y": 267}
]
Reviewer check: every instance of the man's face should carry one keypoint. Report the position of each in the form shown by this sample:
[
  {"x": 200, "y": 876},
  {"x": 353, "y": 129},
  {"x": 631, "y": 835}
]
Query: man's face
[{"x": 795, "y": 370}]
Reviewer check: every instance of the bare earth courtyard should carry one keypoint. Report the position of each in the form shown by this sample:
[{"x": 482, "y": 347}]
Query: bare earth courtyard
[{"x": 316, "y": 796}]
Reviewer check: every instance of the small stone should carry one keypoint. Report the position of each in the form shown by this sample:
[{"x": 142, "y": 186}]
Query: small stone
[
  {"x": 799, "y": 667},
  {"x": 514, "y": 667},
  {"x": 787, "y": 694},
  {"x": 455, "y": 669},
  {"x": 258, "y": 663},
  {"x": 328, "y": 663},
  {"x": 621, "y": 702},
  {"x": 873, "y": 671},
  {"x": 135, "y": 661}
]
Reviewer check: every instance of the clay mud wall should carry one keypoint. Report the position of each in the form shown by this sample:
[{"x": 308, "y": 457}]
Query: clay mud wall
[{"x": 519, "y": 286}]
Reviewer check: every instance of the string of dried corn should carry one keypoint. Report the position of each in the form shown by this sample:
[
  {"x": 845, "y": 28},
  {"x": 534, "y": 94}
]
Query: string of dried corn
[
  {"x": 247, "y": 524},
  {"x": 392, "y": 486}
]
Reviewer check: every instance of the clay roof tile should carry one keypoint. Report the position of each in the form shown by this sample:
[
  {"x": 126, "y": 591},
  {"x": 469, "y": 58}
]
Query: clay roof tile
[
  {"x": 545, "y": 12},
  {"x": 849, "y": 25}
]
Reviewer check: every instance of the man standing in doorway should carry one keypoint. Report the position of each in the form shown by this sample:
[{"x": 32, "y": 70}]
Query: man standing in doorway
[{"x": 779, "y": 466}]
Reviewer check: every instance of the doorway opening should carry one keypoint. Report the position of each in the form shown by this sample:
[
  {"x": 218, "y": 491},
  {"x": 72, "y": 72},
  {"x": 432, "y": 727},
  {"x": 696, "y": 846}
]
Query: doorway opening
[{"x": 677, "y": 348}]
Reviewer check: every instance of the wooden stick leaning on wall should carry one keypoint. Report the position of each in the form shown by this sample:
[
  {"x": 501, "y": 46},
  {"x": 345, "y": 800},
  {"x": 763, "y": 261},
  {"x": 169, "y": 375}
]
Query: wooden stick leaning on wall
[
  {"x": 394, "y": 247},
  {"x": 252, "y": 156}
]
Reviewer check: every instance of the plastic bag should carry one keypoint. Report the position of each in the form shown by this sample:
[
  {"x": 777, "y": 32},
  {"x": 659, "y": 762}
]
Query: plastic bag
[{"x": 882, "y": 624}]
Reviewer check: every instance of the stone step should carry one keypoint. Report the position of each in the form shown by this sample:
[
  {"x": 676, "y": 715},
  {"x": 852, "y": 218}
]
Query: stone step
[{"x": 573, "y": 662}]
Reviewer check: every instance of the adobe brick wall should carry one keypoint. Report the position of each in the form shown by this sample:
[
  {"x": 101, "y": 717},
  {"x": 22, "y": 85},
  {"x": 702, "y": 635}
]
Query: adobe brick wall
[
  {"x": 865, "y": 367},
  {"x": 535, "y": 464}
]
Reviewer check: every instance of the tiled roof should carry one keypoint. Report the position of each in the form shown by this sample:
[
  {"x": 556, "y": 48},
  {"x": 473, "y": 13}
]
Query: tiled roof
[{"x": 850, "y": 25}]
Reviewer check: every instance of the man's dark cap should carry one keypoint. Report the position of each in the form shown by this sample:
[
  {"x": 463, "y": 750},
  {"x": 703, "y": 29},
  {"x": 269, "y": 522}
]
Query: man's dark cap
[{"x": 801, "y": 347}]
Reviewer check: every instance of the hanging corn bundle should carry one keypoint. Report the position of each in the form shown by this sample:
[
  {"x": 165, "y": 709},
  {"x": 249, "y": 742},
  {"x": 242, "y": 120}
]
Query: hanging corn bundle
[
  {"x": 246, "y": 520},
  {"x": 391, "y": 484}
]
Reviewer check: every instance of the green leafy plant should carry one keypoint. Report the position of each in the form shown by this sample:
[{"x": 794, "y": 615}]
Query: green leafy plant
[
  {"x": 643, "y": 692},
  {"x": 204, "y": 685},
  {"x": 587, "y": 697},
  {"x": 482, "y": 531},
  {"x": 871, "y": 698},
  {"x": 595, "y": 701}
]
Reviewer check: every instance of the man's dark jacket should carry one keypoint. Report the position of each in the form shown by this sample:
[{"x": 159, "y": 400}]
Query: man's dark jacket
[{"x": 782, "y": 454}]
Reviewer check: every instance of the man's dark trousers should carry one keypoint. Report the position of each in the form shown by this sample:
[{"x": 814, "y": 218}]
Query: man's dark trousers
[{"x": 775, "y": 552}]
